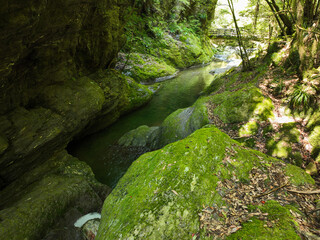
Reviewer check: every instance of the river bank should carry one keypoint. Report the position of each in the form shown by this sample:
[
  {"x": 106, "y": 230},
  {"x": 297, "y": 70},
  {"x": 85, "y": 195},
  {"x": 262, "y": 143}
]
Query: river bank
[
  {"x": 107, "y": 158},
  {"x": 201, "y": 174}
]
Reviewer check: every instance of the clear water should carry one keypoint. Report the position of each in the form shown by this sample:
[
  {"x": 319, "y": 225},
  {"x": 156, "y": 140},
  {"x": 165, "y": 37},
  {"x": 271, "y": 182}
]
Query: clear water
[{"x": 107, "y": 160}]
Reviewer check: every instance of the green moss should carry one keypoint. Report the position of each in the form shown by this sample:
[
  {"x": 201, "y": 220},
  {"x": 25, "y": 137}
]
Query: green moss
[
  {"x": 282, "y": 221},
  {"x": 298, "y": 176},
  {"x": 39, "y": 198},
  {"x": 314, "y": 139},
  {"x": 240, "y": 106},
  {"x": 144, "y": 68},
  {"x": 277, "y": 58},
  {"x": 162, "y": 54},
  {"x": 183, "y": 122},
  {"x": 137, "y": 94},
  {"x": 279, "y": 149},
  {"x": 142, "y": 136},
  {"x": 249, "y": 129},
  {"x": 176, "y": 126},
  {"x": 314, "y": 120},
  {"x": 121, "y": 94},
  {"x": 312, "y": 169},
  {"x": 163, "y": 191},
  {"x": 280, "y": 144}
]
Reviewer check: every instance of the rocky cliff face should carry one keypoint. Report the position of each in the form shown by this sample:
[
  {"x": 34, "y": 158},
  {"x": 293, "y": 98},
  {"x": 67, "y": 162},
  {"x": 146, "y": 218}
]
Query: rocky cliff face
[
  {"x": 48, "y": 92},
  {"x": 45, "y": 42},
  {"x": 54, "y": 86}
]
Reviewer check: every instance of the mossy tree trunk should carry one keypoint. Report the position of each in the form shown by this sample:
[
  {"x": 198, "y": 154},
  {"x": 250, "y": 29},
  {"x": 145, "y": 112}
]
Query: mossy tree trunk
[{"x": 308, "y": 33}]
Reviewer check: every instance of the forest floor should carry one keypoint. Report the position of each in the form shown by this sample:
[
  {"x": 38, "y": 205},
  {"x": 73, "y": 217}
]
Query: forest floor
[
  {"x": 280, "y": 102},
  {"x": 279, "y": 93}
]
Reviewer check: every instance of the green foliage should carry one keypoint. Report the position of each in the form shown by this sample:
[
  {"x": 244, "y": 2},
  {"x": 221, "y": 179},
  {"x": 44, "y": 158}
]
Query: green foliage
[
  {"x": 158, "y": 32},
  {"x": 302, "y": 98}
]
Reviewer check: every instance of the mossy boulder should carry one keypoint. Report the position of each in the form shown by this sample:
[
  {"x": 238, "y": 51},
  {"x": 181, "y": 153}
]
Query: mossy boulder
[
  {"x": 33, "y": 204},
  {"x": 280, "y": 145},
  {"x": 176, "y": 126},
  {"x": 121, "y": 95},
  {"x": 163, "y": 191},
  {"x": 315, "y": 140},
  {"x": 144, "y": 68},
  {"x": 142, "y": 136},
  {"x": 249, "y": 129},
  {"x": 76, "y": 100},
  {"x": 183, "y": 122},
  {"x": 61, "y": 112},
  {"x": 242, "y": 105},
  {"x": 256, "y": 229},
  {"x": 149, "y": 58}
]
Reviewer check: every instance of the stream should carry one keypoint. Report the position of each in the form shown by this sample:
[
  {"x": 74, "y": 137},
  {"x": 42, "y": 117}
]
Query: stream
[{"x": 108, "y": 160}]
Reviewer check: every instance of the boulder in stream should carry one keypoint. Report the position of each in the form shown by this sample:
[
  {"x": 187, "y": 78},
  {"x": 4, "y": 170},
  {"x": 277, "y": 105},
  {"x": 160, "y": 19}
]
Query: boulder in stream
[
  {"x": 164, "y": 192},
  {"x": 176, "y": 126}
]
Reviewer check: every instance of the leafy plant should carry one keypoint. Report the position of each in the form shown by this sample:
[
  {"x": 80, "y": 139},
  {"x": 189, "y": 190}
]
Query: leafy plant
[{"x": 302, "y": 98}]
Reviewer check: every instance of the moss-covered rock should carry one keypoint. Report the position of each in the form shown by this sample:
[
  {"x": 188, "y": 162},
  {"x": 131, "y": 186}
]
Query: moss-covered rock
[
  {"x": 34, "y": 203},
  {"x": 39, "y": 54},
  {"x": 315, "y": 140},
  {"x": 242, "y": 105},
  {"x": 280, "y": 145},
  {"x": 249, "y": 129},
  {"x": 257, "y": 229},
  {"x": 183, "y": 122},
  {"x": 144, "y": 68},
  {"x": 148, "y": 58},
  {"x": 142, "y": 136},
  {"x": 176, "y": 126},
  {"x": 65, "y": 110},
  {"x": 163, "y": 191}
]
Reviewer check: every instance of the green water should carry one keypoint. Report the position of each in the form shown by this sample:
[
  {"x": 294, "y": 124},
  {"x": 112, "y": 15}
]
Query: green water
[{"x": 109, "y": 161}]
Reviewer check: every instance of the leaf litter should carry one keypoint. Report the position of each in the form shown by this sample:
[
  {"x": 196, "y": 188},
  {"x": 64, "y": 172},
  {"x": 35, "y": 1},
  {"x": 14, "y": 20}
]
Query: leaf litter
[{"x": 270, "y": 183}]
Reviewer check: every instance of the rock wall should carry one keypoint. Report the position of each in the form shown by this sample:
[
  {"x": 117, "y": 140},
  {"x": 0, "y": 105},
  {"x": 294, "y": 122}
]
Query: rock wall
[
  {"x": 44, "y": 42},
  {"x": 54, "y": 86},
  {"x": 52, "y": 78}
]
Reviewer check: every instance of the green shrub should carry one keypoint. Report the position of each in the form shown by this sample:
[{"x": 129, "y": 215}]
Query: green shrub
[{"x": 302, "y": 98}]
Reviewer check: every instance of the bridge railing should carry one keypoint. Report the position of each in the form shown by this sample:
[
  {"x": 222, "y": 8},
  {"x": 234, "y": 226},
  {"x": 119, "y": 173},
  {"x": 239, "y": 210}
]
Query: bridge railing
[{"x": 230, "y": 32}]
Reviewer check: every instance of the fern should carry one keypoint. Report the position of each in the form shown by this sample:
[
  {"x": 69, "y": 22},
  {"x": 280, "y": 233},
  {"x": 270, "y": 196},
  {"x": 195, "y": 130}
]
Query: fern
[{"x": 302, "y": 98}]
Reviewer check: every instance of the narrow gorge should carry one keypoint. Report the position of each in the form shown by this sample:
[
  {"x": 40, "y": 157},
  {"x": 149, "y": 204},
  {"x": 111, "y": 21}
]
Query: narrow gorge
[{"x": 144, "y": 112}]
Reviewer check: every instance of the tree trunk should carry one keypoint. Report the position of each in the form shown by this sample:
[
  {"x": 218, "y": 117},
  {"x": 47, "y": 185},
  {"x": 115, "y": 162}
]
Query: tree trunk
[
  {"x": 243, "y": 52},
  {"x": 276, "y": 17},
  {"x": 284, "y": 18},
  {"x": 256, "y": 13}
]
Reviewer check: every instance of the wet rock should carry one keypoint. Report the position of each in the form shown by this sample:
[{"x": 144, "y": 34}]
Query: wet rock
[
  {"x": 54, "y": 86},
  {"x": 142, "y": 136},
  {"x": 49, "y": 42},
  {"x": 67, "y": 110},
  {"x": 176, "y": 126},
  {"x": 183, "y": 122},
  {"x": 50, "y": 197}
]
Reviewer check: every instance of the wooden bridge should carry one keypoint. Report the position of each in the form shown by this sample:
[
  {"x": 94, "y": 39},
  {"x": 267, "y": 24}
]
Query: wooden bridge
[
  {"x": 230, "y": 33},
  {"x": 223, "y": 32}
]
